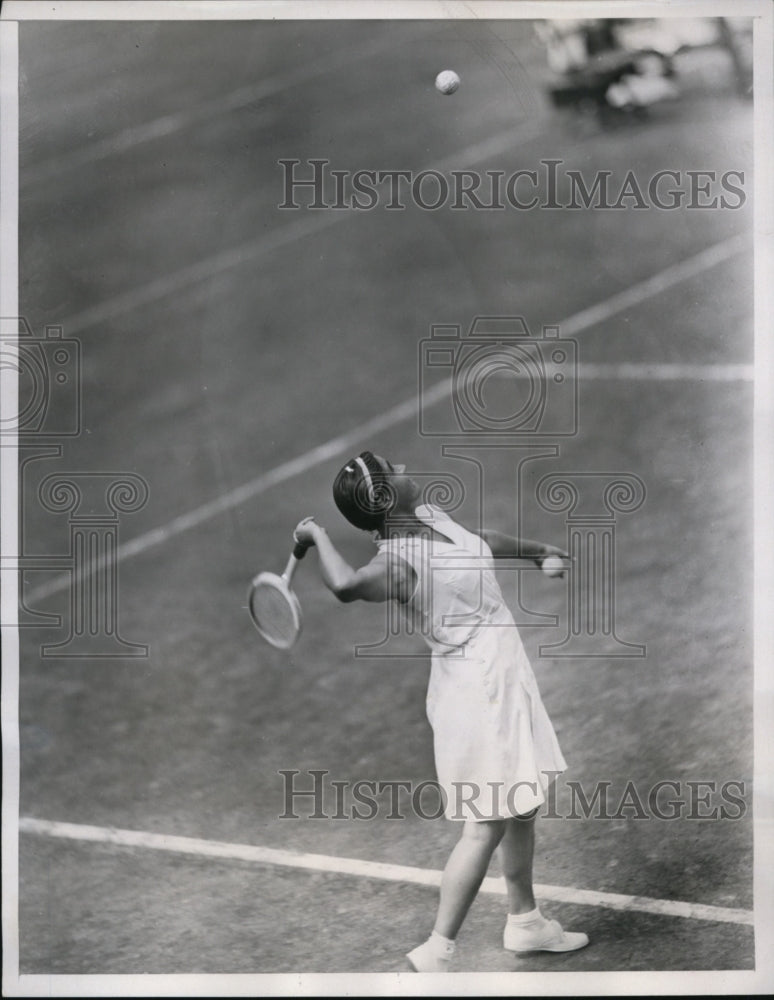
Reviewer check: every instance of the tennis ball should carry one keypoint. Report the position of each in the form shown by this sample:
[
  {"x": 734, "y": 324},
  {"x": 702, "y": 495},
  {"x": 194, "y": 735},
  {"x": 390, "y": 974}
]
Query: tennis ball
[
  {"x": 447, "y": 81},
  {"x": 552, "y": 566}
]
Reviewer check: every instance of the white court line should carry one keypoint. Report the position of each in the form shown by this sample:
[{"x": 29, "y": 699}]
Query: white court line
[
  {"x": 178, "y": 120},
  {"x": 660, "y": 282},
  {"x": 371, "y": 869},
  {"x": 312, "y": 223},
  {"x": 408, "y": 409},
  {"x": 667, "y": 372},
  {"x": 306, "y": 224},
  {"x": 280, "y": 474}
]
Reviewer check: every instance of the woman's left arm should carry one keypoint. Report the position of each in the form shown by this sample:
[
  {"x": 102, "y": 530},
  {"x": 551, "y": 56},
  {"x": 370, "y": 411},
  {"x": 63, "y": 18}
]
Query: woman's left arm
[{"x": 509, "y": 547}]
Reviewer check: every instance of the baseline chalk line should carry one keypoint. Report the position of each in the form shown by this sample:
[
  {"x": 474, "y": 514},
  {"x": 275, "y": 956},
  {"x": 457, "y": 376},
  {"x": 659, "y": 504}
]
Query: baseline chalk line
[
  {"x": 359, "y": 868},
  {"x": 408, "y": 409},
  {"x": 176, "y": 121}
]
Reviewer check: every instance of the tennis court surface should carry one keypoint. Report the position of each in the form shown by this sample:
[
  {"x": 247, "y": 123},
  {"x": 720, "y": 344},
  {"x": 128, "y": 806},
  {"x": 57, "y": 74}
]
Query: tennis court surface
[{"x": 229, "y": 355}]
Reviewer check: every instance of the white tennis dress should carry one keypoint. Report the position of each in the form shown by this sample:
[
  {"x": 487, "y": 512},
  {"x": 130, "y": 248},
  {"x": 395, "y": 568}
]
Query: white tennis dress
[{"x": 496, "y": 751}]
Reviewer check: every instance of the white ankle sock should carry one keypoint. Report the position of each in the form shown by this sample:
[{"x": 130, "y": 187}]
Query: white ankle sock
[
  {"x": 441, "y": 944},
  {"x": 532, "y": 917}
]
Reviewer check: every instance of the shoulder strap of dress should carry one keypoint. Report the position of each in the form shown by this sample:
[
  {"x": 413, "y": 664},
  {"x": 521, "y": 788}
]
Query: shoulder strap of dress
[{"x": 438, "y": 519}]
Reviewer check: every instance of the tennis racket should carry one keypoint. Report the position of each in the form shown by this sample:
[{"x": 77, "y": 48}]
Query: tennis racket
[{"x": 273, "y": 606}]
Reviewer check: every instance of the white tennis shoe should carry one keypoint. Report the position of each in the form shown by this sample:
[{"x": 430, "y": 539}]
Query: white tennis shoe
[
  {"x": 432, "y": 956},
  {"x": 546, "y": 936}
]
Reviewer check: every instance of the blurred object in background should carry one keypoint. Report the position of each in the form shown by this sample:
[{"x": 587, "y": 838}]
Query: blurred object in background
[
  {"x": 618, "y": 65},
  {"x": 680, "y": 35},
  {"x": 596, "y": 71},
  {"x": 736, "y": 36}
]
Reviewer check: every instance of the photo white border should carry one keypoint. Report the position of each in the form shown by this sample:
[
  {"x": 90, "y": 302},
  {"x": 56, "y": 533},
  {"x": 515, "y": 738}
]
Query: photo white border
[{"x": 761, "y": 980}]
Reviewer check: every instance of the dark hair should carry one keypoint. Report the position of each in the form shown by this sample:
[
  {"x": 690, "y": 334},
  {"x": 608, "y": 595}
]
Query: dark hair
[{"x": 365, "y": 500}]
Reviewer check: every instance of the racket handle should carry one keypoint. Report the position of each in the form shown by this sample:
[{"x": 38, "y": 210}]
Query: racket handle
[
  {"x": 298, "y": 553},
  {"x": 299, "y": 550}
]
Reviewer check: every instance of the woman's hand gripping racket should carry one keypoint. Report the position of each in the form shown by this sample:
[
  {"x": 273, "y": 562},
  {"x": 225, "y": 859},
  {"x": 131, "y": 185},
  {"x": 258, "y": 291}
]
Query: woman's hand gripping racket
[{"x": 273, "y": 606}]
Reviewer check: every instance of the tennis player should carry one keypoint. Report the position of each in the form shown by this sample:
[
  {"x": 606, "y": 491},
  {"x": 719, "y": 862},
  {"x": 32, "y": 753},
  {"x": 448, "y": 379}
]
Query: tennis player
[{"x": 495, "y": 748}]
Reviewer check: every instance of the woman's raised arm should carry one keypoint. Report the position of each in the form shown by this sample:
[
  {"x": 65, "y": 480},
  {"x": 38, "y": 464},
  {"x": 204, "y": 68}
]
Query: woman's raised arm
[{"x": 387, "y": 577}]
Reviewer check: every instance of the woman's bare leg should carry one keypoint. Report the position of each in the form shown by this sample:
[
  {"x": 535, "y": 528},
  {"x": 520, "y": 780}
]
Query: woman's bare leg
[
  {"x": 517, "y": 849},
  {"x": 464, "y": 873},
  {"x": 527, "y": 929}
]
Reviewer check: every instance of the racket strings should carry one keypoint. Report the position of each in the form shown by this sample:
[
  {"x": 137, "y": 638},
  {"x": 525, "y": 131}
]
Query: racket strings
[{"x": 274, "y": 613}]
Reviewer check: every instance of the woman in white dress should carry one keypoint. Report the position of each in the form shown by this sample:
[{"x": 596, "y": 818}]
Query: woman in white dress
[{"x": 495, "y": 748}]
